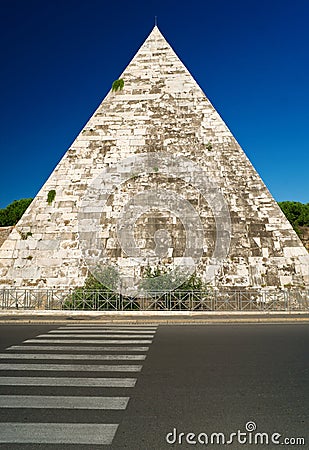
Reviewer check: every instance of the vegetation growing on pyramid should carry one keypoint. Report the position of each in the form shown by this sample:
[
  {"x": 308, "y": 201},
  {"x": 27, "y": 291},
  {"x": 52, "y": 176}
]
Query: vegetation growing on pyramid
[
  {"x": 209, "y": 146},
  {"x": 51, "y": 196},
  {"x": 118, "y": 85},
  {"x": 25, "y": 236},
  {"x": 10, "y": 215}
]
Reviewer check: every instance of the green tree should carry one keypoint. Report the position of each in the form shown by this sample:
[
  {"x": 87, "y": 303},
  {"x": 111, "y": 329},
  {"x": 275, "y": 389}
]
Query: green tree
[
  {"x": 10, "y": 215},
  {"x": 297, "y": 213}
]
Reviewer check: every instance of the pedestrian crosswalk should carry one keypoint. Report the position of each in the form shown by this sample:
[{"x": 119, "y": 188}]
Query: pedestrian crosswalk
[{"x": 72, "y": 368}]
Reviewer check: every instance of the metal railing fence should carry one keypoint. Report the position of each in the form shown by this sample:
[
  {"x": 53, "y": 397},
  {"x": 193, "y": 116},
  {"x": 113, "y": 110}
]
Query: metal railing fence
[{"x": 213, "y": 300}]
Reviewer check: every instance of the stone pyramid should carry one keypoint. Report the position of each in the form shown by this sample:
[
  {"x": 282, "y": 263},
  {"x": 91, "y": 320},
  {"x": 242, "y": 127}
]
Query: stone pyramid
[{"x": 154, "y": 165}]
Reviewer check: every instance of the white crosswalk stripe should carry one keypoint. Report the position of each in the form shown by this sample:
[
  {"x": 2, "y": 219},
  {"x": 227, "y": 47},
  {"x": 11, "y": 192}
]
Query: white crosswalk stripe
[
  {"x": 110, "y": 327},
  {"x": 58, "y": 433},
  {"x": 56, "y": 402},
  {"x": 96, "y": 335},
  {"x": 89, "y": 341},
  {"x": 78, "y": 348},
  {"x": 106, "y": 332},
  {"x": 70, "y": 356},
  {"x": 76, "y": 382},
  {"x": 80, "y": 351},
  {"x": 73, "y": 367}
]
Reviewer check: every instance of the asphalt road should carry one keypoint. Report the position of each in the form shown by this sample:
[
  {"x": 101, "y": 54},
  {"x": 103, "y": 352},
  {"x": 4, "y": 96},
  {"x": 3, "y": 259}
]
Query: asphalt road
[{"x": 198, "y": 379}]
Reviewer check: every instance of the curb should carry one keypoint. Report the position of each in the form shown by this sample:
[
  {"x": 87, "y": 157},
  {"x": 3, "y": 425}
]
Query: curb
[
  {"x": 70, "y": 313},
  {"x": 152, "y": 317}
]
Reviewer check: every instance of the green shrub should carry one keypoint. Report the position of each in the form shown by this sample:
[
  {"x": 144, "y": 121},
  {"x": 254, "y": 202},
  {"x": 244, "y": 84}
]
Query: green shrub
[
  {"x": 152, "y": 281},
  {"x": 95, "y": 295},
  {"x": 158, "y": 290}
]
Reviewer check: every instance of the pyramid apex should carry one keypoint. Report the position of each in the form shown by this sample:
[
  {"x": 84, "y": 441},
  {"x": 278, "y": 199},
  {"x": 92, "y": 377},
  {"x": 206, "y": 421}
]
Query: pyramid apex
[
  {"x": 155, "y": 35},
  {"x": 155, "y": 30}
]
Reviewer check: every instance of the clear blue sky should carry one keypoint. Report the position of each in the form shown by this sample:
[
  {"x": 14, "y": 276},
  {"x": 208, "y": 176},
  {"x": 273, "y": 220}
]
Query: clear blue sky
[{"x": 59, "y": 58}]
